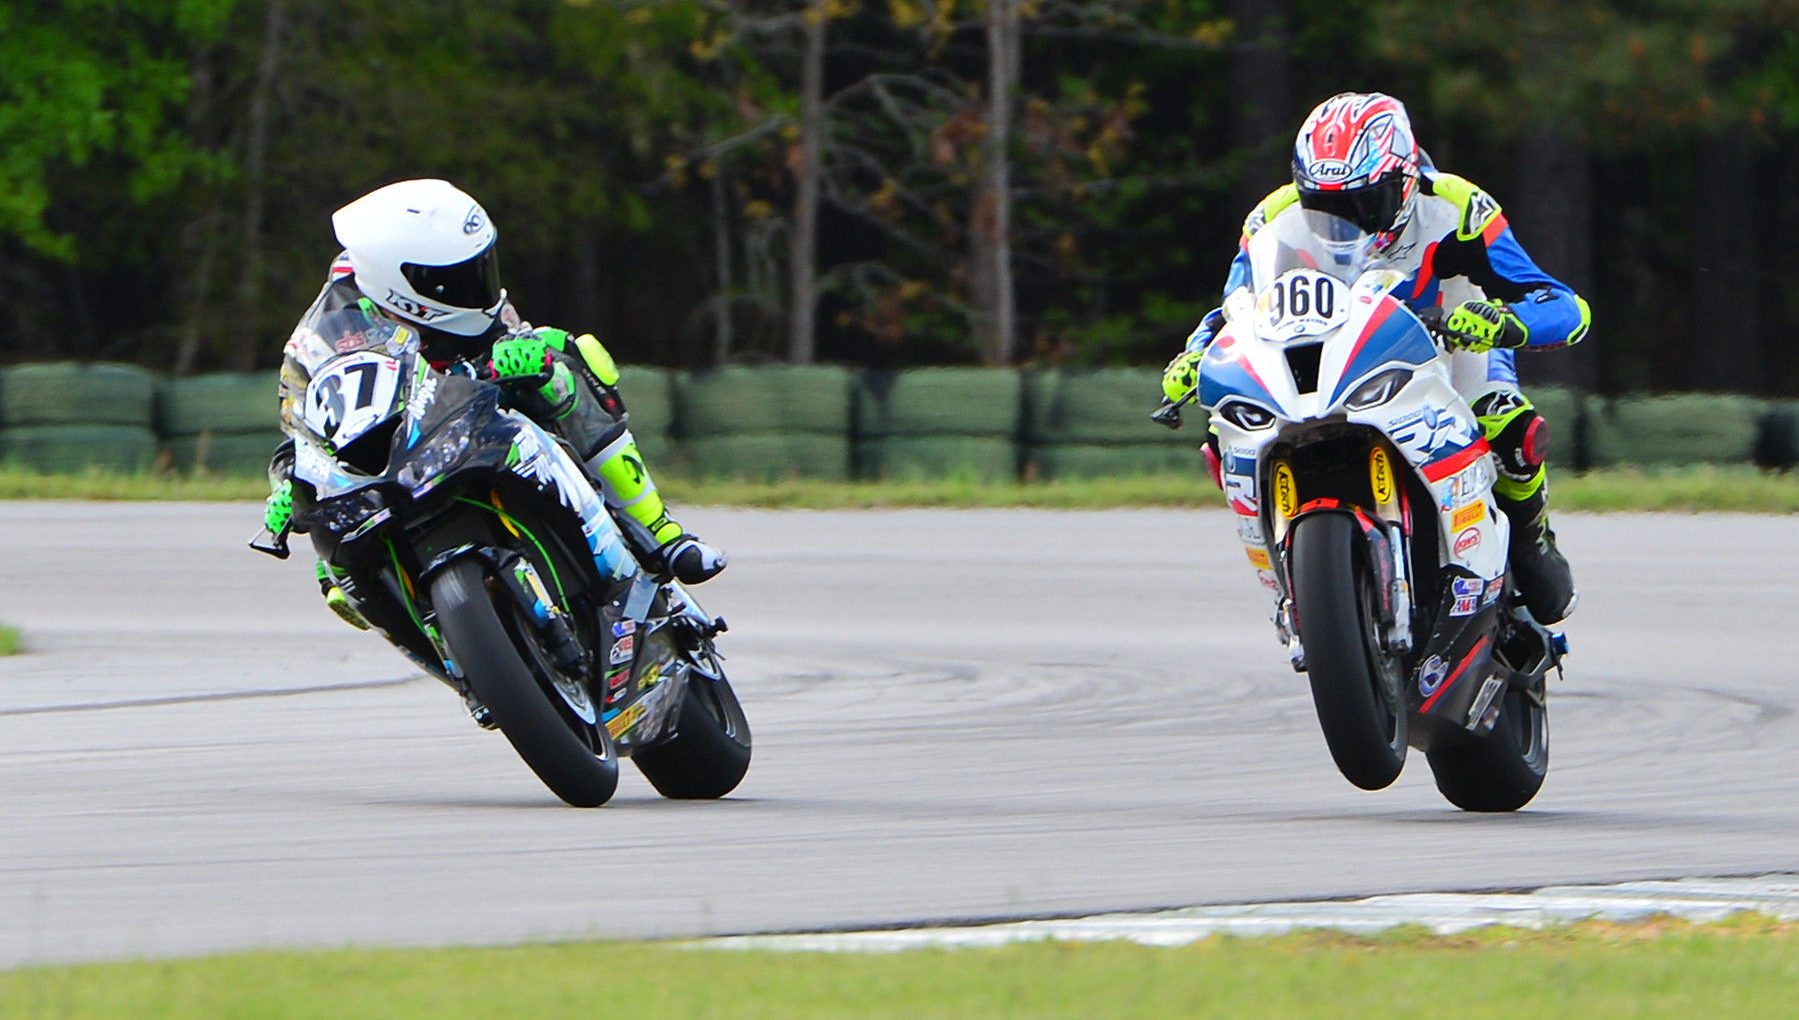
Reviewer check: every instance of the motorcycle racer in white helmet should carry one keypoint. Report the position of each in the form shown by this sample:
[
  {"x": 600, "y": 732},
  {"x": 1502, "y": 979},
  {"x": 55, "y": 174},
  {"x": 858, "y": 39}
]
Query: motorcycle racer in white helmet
[{"x": 425, "y": 252}]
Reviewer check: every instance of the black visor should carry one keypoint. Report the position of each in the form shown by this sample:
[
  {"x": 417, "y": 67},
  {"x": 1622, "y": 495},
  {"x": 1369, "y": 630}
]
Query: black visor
[
  {"x": 1372, "y": 208},
  {"x": 474, "y": 283}
]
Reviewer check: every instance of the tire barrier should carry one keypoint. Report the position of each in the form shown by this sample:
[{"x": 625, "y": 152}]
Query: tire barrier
[
  {"x": 779, "y": 421},
  {"x": 964, "y": 423},
  {"x": 74, "y": 449},
  {"x": 74, "y": 393},
  {"x": 649, "y": 399},
  {"x": 1688, "y": 428},
  {"x": 1090, "y": 423},
  {"x": 223, "y": 423}
]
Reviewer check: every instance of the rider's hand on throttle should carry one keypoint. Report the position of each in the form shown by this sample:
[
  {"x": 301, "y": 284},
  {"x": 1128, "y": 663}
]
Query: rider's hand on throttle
[
  {"x": 1482, "y": 326},
  {"x": 1181, "y": 376}
]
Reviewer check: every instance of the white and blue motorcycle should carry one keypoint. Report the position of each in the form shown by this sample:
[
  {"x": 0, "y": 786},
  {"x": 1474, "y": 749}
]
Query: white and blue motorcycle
[{"x": 1363, "y": 489}]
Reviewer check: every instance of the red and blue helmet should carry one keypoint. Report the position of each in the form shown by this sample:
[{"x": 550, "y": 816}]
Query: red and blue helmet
[{"x": 1356, "y": 158}]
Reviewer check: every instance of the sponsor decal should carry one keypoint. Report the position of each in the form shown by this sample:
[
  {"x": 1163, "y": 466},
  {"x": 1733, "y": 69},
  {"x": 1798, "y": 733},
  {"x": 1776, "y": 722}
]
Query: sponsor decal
[
  {"x": 1468, "y": 484},
  {"x": 1268, "y": 580},
  {"x": 422, "y": 395},
  {"x": 474, "y": 221},
  {"x": 1467, "y": 541},
  {"x": 1431, "y": 675},
  {"x": 1258, "y": 557},
  {"x": 417, "y": 309},
  {"x": 621, "y": 649},
  {"x": 1494, "y": 587},
  {"x": 1428, "y": 430},
  {"x": 1467, "y": 516},
  {"x": 616, "y": 678},
  {"x": 651, "y": 677},
  {"x": 1286, "y": 489},
  {"x": 1330, "y": 171},
  {"x": 1467, "y": 587},
  {"x": 1489, "y": 690},
  {"x": 1380, "y": 475},
  {"x": 623, "y": 721},
  {"x": 623, "y": 627},
  {"x": 1465, "y": 606},
  {"x": 1249, "y": 530}
]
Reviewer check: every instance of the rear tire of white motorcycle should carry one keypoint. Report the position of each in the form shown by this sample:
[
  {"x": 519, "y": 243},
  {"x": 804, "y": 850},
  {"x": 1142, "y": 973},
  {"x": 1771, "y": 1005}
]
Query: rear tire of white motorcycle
[
  {"x": 710, "y": 751},
  {"x": 1503, "y": 770},
  {"x": 1332, "y": 598},
  {"x": 483, "y": 649}
]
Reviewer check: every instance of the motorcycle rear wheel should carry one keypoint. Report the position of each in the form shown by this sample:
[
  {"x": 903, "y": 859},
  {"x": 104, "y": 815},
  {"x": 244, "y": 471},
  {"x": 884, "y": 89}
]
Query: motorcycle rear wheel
[
  {"x": 1355, "y": 686},
  {"x": 1503, "y": 770},
  {"x": 710, "y": 751},
  {"x": 573, "y": 757}
]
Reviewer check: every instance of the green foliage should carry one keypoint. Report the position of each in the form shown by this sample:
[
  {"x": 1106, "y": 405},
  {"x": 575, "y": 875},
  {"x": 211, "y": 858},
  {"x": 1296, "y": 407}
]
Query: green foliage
[{"x": 82, "y": 80}]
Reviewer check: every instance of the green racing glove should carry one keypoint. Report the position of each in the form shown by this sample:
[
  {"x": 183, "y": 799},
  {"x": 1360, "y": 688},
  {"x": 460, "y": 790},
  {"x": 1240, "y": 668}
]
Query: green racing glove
[
  {"x": 521, "y": 356},
  {"x": 278, "y": 509},
  {"x": 1181, "y": 377},
  {"x": 1482, "y": 326}
]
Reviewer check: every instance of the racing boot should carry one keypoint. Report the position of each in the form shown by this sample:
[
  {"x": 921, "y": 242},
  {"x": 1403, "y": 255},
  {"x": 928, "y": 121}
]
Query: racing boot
[
  {"x": 658, "y": 540},
  {"x": 1520, "y": 441},
  {"x": 338, "y": 600}
]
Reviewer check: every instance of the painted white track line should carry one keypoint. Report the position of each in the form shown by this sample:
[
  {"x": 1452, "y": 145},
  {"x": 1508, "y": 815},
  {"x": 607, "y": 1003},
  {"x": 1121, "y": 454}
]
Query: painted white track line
[{"x": 1692, "y": 899}]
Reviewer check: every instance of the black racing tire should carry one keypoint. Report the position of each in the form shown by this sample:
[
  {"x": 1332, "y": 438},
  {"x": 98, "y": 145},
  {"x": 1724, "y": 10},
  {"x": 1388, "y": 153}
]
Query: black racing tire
[
  {"x": 710, "y": 751},
  {"x": 1503, "y": 770},
  {"x": 573, "y": 758},
  {"x": 1355, "y": 686}
]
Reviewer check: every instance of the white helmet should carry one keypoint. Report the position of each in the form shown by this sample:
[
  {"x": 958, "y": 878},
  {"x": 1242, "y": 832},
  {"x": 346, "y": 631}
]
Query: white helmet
[{"x": 424, "y": 250}]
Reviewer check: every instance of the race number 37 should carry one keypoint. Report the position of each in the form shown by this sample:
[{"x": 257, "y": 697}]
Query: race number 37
[
  {"x": 1301, "y": 302},
  {"x": 351, "y": 395}
]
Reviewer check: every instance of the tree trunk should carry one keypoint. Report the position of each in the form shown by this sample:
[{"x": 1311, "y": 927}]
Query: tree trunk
[
  {"x": 1729, "y": 272},
  {"x": 721, "y": 251},
  {"x": 801, "y": 338},
  {"x": 256, "y": 150},
  {"x": 1262, "y": 95},
  {"x": 1552, "y": 216},
  {"x": 991, "y": 236}
]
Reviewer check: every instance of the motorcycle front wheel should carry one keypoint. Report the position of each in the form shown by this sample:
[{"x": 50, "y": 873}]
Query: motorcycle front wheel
[
  {"x": 1355, "y": 686},
  {"x": 710, "y": 751},
  {"x": 572, "y": 756}
]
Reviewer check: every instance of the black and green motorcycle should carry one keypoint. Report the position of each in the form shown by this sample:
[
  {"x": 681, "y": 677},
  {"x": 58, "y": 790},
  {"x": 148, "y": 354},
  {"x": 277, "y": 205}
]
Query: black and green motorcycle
[{"x": 473, "y": 541}]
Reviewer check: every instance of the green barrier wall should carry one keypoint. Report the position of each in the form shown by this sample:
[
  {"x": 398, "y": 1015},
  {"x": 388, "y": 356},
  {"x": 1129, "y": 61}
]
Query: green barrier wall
[
  {"x": 765, "y": 423},
  {"x": 649, "y": 400},
  {"x": 940, "y": 423},
  {"x": 1686, "y": 428},
  {"x": 826, "y": 422},
  {"x": 1092, "y": 423}
]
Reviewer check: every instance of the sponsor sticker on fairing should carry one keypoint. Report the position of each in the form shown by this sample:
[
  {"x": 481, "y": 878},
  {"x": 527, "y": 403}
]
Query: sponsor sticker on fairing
[
  {"x": 1258, "y": 557},
  {"x": 621, "y": 649},
  {"x": 1467, "y": 516},
  {"x": 1494, "y": 587},
  {"x": 1467, "y": 541},
  {"x": 1465, "y": 606},
  {"x": 1432, "y": 674},
  {"x": 1467, "y": 587}
]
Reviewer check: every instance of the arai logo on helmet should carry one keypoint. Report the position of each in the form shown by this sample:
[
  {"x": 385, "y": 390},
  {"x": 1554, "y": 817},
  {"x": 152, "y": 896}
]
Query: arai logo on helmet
[
  {"x": 1330, "y": 171},
  {"x": 475, "y": 220},
  {"x": 416, "y": 309}
]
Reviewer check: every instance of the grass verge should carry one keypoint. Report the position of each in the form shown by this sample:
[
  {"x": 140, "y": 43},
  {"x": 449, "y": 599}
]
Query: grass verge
[
  {"x": 1703, "y": 488},
  {"x": 10, "y": 642},
  {"x": 1747, "y": 968}
]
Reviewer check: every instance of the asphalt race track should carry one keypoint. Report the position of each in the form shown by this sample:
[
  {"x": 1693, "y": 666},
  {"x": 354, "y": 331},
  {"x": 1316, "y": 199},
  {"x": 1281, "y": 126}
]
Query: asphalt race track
[{"x": 958, "y": 716}]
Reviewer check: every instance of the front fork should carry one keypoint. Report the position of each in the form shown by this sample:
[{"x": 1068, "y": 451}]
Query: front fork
[{"x": 1385, "y": 532}]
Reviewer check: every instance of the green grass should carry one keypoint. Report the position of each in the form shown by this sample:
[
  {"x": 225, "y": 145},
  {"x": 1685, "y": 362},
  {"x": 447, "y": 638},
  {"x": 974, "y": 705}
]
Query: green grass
[
  {"x": 1747, "y": 968},
  {"x": 1701, "y": 488},
  {"x": 10, "y": 643}
]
